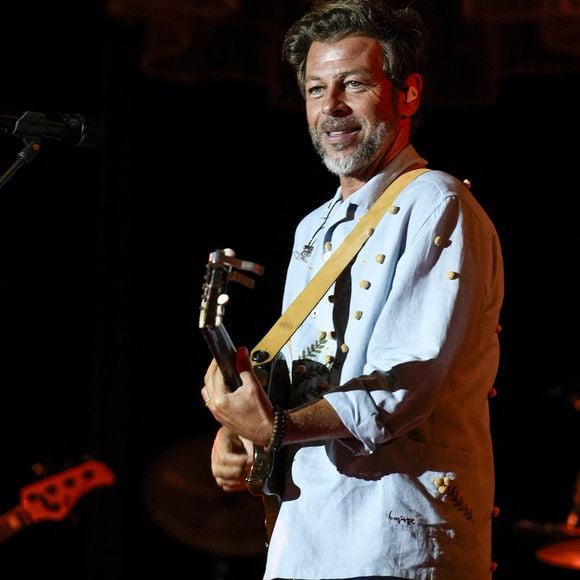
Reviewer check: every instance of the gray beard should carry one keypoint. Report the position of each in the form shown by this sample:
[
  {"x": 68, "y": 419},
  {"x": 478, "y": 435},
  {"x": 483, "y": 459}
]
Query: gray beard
[{"x": 348, "y": 164}]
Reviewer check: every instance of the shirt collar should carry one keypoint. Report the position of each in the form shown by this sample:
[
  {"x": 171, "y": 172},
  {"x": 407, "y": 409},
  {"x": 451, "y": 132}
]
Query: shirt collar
[{"x": 374, "y": 187}]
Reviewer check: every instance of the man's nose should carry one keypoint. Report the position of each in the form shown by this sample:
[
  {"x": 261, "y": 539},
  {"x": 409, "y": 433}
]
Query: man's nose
[{"x": 334, "y": 104}]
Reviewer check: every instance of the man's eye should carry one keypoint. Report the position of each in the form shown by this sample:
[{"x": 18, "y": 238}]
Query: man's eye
[
  {"x": 354, "y": 84},
  {"x": 315, "y": 91}
]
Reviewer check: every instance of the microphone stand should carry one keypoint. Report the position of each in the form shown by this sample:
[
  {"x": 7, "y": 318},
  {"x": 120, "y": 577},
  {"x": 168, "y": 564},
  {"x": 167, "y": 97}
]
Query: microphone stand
[{"x": 26, "y": 155}]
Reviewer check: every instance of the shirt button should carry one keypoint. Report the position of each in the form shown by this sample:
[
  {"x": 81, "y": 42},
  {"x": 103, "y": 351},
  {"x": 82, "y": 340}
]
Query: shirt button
[
  {"x": 453, "y": 275},
  {"x": 380, "y": 258},
  {"x": 358, "y": 314},
  {"x": 327, "y": 250},
  {"x": 439, "y": 241},
  {"x": 364, "y": 284}
]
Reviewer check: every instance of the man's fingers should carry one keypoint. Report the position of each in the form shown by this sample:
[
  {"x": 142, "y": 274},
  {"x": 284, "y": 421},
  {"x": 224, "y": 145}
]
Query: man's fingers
[{"x": 228, "y": 485}]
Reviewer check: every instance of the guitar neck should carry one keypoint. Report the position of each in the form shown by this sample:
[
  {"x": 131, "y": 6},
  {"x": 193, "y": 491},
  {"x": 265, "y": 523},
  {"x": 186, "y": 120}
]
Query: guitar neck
[
  {"x": 223, "y": 350},
  {"x": 13, "y": 522},
  {"x": 221, "y": 268}
]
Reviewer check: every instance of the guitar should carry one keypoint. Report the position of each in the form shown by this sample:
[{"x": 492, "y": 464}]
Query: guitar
[
  {"x": 223, "y": 267},
  {"x": 53, "y": 498}
]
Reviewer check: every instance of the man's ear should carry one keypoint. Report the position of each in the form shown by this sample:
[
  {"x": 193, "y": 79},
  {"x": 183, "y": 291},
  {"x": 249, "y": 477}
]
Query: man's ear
[{"x": 410, "y": 96}]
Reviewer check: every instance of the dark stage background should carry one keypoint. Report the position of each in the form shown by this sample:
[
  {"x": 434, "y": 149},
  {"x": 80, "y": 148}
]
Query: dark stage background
[{"x": 103, "y": 252}]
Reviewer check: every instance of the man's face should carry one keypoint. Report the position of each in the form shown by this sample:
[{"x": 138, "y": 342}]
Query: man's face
[{"x": 351, "y": 107}]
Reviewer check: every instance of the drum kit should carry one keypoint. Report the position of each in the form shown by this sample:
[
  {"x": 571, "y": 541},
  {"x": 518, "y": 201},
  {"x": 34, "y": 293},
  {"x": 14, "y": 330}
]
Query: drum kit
[
  {"x": 565, "y": 553},
  {"x": 183, "y": 499}
]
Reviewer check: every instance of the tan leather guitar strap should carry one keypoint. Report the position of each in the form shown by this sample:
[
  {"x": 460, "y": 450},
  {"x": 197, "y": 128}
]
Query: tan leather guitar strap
[{"x": 295, "y": 314}]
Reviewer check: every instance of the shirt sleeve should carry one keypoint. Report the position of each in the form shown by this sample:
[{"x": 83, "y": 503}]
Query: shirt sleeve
[{"x": 421, "y": 325}]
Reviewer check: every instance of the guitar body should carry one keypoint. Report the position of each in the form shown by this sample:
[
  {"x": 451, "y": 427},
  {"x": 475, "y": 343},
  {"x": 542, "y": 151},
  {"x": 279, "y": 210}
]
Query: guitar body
[{"x": 264, "y": 479}]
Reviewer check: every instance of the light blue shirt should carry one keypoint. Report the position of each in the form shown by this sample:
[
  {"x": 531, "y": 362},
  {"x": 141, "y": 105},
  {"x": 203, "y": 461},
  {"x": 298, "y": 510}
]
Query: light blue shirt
[{"x": 410, "y": 494}]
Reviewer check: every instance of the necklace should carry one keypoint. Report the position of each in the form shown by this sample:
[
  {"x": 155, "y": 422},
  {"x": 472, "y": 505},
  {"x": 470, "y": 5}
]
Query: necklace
[{"x": 306, "y": 251}]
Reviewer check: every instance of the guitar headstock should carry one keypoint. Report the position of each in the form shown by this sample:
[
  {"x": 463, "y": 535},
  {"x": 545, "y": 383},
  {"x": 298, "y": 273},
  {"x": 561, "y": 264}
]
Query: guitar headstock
[
  {"x": 53, "y": 498},
  {"x": 223, "y": 267}
]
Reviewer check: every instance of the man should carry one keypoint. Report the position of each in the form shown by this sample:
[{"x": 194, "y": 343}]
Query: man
[{"x": 389, "y": 469}]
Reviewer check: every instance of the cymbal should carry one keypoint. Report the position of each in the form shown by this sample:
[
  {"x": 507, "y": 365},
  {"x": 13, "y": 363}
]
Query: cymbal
[
  {"x": 564, "y": 554},
  {"x": 184, "y": 500}
]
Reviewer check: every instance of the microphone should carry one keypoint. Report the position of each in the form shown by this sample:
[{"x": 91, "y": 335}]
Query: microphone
[{"x": 73, "y": 129}]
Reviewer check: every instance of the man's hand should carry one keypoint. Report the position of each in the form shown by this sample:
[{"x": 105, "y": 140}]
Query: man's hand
[
  {"x": 231, "y": 460},
  {"x": 247, "y": 410}
]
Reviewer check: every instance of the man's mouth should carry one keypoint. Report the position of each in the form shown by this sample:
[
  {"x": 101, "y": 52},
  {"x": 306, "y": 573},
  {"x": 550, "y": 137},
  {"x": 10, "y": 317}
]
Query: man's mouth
[{"x": 340, "y": 136}]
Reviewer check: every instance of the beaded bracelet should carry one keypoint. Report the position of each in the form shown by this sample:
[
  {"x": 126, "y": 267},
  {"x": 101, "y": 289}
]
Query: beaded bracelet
[{"x": 278, "y": 430}]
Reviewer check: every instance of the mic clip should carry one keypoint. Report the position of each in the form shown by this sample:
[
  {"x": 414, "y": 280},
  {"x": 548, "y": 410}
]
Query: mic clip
[{"x": 305, "y": 253}]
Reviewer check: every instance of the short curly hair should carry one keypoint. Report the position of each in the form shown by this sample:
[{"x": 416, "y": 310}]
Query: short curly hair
[{"x": 401, "y": 32}]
